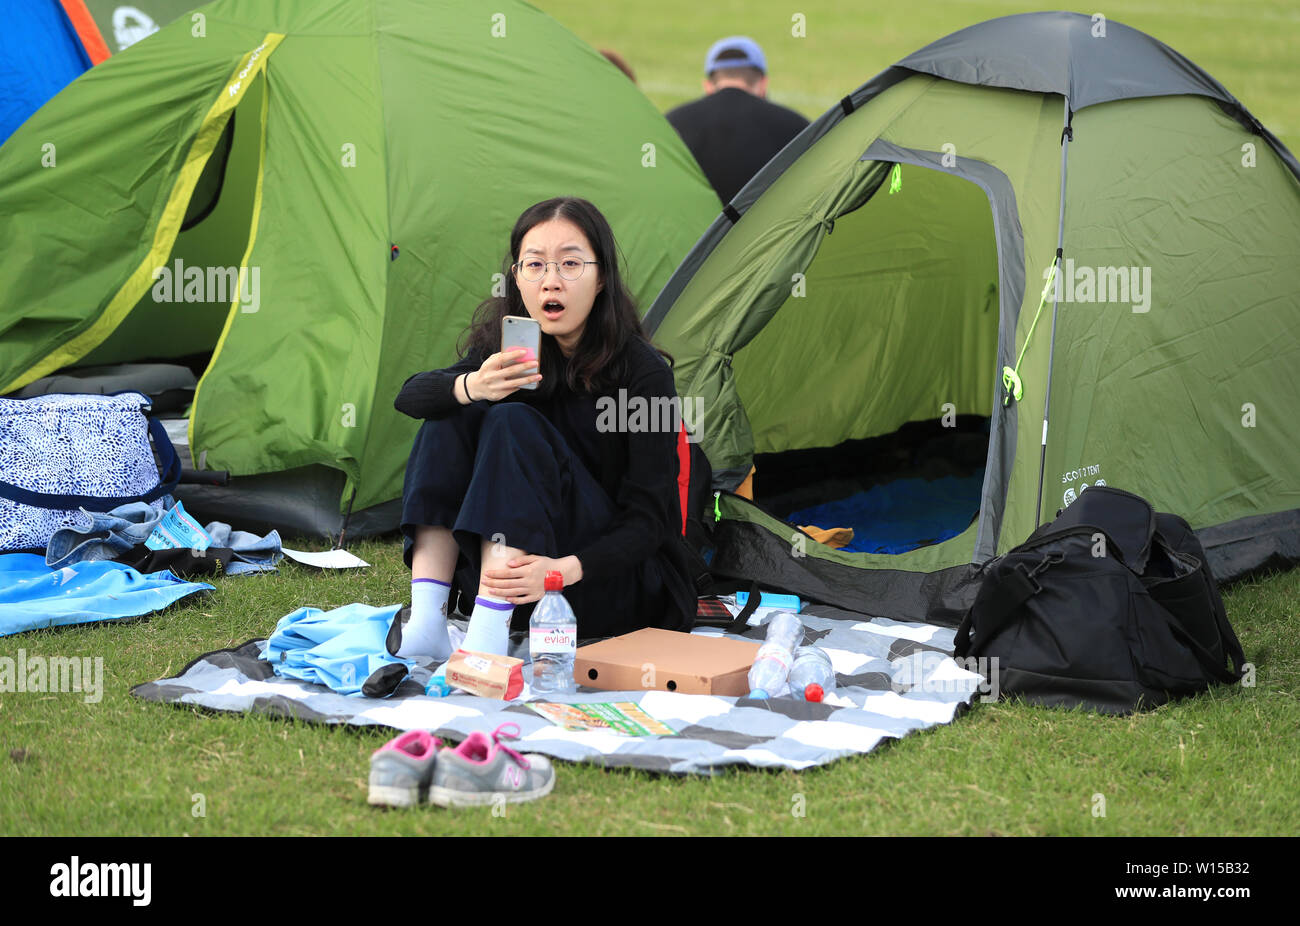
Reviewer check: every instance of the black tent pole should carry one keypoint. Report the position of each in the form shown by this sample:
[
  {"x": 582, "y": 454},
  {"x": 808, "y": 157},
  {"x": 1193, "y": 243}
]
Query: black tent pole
[
  {"x": 346, "y": 518},
  {"x": 1067, "y": 136}
]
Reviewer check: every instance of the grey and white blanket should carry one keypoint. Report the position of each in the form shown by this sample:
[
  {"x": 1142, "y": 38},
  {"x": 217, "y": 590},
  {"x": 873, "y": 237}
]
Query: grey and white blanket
[{"x": 893, "y": 678}]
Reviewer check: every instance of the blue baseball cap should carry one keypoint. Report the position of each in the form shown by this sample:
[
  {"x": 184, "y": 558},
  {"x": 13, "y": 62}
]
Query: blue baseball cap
[{"x": 753, "y": 55}]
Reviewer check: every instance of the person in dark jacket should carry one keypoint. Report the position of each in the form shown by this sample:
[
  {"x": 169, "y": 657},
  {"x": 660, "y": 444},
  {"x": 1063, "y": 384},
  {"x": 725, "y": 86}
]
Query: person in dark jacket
[
  {"x": 733, "y": 130},
  {"x": 506, "y": 484}
]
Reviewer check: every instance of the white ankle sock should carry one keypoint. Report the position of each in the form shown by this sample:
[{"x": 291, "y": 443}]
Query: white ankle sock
[
  {"x": 425, "y": 634},
  {"x": 489, "y": 626}
]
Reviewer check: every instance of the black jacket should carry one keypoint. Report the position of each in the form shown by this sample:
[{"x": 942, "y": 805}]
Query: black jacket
[
  {"x": 733, "y": 134},
  {"x": 637, "y": 466}
]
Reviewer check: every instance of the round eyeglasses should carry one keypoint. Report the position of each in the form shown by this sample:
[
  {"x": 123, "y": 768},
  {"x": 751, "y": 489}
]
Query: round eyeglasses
[{"x": 533, "y": 269}]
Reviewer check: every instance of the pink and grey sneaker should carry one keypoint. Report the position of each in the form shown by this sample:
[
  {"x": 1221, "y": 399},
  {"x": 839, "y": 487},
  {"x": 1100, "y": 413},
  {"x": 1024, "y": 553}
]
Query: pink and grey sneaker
[
  {"x": 401, "y": 770},
  {"x": 482, "y": 770}
]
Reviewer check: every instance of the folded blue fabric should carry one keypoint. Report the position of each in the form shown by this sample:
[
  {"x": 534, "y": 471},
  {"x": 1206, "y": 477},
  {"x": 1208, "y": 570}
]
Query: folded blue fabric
[
  {"x": 340, "y": 649},
  {"x": 33, "y": 596},
  {"x": 107, "y": 535},
  {"x": 252, "y": 553},
  {"x": 101, "y": 535}
]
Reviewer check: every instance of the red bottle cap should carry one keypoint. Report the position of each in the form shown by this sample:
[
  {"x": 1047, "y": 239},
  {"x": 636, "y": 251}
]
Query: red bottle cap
[
  {"x": 813, "y": 692},
  {"x": 555, "y": 581}
]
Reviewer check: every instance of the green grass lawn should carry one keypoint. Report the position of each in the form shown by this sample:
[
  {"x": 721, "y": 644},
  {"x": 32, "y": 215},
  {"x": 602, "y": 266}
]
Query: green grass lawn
[
  {"x": 1249, "y": 48},
  {"x": 1222, "y": 763}
]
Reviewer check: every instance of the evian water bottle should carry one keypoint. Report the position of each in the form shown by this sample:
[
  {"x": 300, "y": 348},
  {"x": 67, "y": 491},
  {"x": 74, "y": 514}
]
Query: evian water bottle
[{"x": 553, "y": 639}]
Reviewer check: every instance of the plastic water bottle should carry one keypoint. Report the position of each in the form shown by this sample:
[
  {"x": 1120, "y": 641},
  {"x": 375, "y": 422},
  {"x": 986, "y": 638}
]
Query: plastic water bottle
[
  {"x": 438, "y": 687},
  {"x": 771, "y": 669},
  {"x": 811, "y": 674},
  {"x": 553, "y": 639}
]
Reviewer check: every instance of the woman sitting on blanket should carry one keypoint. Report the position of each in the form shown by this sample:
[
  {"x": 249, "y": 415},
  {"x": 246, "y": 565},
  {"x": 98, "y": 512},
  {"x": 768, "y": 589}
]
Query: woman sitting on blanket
[{"x": 505, "y": 485}]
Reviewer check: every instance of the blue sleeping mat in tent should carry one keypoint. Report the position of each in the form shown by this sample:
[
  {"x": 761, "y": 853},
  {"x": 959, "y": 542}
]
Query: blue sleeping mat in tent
[{"x": 902, "y": 515}]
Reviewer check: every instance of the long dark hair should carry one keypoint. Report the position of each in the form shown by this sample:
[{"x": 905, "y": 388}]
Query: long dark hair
[{"x": 599, "y": 361}]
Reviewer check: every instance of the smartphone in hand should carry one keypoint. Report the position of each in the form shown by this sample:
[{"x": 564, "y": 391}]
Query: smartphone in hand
[{"x": 517, "y": 332}]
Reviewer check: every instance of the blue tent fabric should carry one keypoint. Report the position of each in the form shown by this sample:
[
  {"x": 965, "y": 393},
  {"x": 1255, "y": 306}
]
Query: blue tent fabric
[
  {"x": 40, "y": 54},
  {"x": 902, "y": 515},
  {"x": 340, "y": 649},
  {"x": 34, "y": 596}
]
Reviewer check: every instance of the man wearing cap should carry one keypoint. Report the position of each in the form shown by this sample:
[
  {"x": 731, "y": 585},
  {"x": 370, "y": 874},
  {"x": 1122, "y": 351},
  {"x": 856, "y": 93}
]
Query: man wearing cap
[{"x": 733, "y": 130}]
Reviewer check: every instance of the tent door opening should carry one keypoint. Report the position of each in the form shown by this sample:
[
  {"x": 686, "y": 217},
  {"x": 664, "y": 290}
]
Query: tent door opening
[{"x": 870, "y": 392}]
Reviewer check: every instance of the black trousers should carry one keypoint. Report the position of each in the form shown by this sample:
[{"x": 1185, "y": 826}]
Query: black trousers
[{"x": 503, "y": 472}]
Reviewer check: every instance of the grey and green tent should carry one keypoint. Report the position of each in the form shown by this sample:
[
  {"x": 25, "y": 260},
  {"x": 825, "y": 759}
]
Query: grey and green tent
[
  {"x": 1048, "y": 230},
  {"x": 305, "y": 200}
]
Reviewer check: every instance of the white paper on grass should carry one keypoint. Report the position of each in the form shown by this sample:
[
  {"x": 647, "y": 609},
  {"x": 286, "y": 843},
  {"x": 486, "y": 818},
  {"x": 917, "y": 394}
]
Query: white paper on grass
[{"x": 330, "y": 559}]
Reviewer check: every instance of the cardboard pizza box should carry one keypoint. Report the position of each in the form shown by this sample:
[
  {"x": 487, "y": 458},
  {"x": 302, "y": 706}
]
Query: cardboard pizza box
[{"x": 665, "y": 660}]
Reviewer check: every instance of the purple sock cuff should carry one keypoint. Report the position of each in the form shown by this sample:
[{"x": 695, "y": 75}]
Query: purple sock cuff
[
  {"x": 495, "y": 606},
  {"x": 434, "y": 581}
]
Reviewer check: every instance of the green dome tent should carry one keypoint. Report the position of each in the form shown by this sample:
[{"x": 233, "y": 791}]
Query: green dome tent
[
  {"x": 1046, "y": 205},
  {"x": 305, "y": 200}
]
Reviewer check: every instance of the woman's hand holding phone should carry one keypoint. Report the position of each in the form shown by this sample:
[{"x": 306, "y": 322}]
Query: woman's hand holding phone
[{"x": 501, "y": 374}]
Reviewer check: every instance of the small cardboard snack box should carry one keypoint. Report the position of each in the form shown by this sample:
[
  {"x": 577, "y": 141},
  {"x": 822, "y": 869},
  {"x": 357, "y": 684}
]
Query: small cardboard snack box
[
  {"x": 665, "y": 660},
  {"x": 486, "y": 675}
]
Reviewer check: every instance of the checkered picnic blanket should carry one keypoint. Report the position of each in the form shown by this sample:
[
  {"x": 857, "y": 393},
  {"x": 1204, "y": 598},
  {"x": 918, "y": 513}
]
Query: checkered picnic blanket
[{"x": 892, "y": 678}]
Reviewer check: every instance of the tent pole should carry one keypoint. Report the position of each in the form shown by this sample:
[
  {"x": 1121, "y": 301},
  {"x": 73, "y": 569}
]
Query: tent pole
[
  {"x": 1067, "y": 136},
  {"x": 343, "y": 532}
]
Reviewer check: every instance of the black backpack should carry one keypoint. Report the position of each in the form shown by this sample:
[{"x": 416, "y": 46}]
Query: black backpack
[{"x": 1111, "y": 606}]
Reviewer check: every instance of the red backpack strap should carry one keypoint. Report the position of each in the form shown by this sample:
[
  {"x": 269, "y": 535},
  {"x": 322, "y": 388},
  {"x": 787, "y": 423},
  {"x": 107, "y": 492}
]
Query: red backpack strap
[{"x": 683, "y": 473}]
